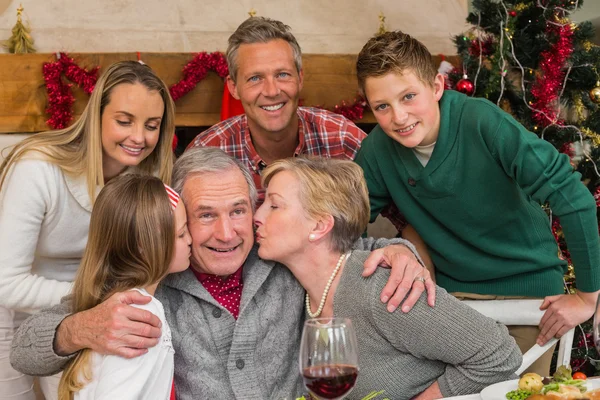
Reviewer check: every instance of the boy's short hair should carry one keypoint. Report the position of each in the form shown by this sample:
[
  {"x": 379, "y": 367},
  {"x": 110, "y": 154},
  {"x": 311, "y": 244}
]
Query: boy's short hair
[{"x": 394, "y": 52}]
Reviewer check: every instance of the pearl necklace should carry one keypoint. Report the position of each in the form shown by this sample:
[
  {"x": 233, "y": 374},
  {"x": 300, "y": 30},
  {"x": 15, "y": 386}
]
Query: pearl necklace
[{"x": 326, "y": 291}]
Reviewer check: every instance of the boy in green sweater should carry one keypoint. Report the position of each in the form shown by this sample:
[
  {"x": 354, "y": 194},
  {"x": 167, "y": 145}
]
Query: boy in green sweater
[{"x": 470, "y": 179}]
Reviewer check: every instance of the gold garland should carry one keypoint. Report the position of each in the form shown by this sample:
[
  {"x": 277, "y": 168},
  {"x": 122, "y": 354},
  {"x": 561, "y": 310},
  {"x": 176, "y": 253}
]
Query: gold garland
[
  {"x": 593, "y": 136},
  {"x": 521, "y": 6},
  {"x": 579, "y": 107}
]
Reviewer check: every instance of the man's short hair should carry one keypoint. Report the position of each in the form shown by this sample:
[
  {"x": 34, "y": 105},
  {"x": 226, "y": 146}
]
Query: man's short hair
[
  {"x": 260, "y": 30},
  {"x": 201, "y": 160},
  {"x": 395, "y": 52}
]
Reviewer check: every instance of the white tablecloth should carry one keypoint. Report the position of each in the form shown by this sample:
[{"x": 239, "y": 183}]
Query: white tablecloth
[{"x": 467, "y": 397}]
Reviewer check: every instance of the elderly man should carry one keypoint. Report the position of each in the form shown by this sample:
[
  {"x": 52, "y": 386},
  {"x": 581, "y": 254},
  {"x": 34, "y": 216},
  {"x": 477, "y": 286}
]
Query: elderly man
[
  {"x": 265, "y": 74},
  {"x": 235, "y": 319}
]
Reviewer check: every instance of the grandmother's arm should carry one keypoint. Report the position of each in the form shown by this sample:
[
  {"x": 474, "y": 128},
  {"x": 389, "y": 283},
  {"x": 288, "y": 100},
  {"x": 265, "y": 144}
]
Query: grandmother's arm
[
  {"x": 408, "y": 275},
  {"x": 477, "y": 350}
]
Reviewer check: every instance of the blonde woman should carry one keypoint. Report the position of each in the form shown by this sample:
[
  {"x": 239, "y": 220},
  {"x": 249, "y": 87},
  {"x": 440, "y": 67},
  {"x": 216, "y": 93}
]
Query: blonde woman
[
  {"x": 148, "y": 238},
  {"x": 48, "y": 184},
  {"x": 314, "y": 210}
]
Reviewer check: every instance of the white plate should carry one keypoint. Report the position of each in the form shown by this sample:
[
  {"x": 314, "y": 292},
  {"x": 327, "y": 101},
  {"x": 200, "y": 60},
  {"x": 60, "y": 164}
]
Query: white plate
[{"x": 498, "y": 390}]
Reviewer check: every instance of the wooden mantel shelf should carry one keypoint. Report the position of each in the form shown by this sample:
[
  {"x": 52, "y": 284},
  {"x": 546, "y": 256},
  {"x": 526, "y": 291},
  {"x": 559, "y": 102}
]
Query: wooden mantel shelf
[{"x": 328, "y": 80}]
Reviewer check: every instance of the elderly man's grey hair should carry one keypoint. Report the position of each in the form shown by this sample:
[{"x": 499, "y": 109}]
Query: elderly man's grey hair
[{"x": 201, "y": 160}]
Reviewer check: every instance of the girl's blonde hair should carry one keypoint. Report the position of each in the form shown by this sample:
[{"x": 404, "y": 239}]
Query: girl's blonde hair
[
  {"x": 130, "y": 245},
  {"x": 78, "y": 149}
]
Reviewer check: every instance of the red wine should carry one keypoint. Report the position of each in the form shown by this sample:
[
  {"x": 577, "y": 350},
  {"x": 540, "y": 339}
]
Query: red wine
[{"x": 330, "y": 381}]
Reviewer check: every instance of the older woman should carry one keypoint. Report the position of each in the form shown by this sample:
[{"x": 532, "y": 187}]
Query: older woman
[{"x": 314, "y": 210}]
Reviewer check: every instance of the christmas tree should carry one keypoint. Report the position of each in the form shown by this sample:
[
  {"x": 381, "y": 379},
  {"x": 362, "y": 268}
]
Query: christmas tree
[
  {"x": 532, "y": 61},
  {"x": 20, "y": 41}
]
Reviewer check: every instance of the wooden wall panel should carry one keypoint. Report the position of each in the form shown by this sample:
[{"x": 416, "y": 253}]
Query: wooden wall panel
[{"x": 328, "y": 80}]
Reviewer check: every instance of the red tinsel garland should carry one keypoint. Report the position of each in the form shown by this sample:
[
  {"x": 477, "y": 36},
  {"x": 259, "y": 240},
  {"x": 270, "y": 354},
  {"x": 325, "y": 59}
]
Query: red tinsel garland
[
  {"x": 545, "y": 91},
  {"x": 354, "y": 111},
  {"x": 60, "y": 97},
  {"x": 196, "y": 70}
]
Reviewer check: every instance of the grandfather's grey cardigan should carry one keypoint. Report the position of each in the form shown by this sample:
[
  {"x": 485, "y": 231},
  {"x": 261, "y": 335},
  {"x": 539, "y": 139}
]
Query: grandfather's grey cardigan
[
  {"x": 217, "y": 357},
  {"x": 404, "y": 353}
]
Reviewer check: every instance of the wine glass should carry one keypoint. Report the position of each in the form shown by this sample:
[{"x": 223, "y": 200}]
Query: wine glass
[{"x": 329, "y": 357}]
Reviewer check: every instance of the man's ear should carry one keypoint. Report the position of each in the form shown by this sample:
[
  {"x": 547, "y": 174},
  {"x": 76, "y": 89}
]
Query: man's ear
[
  {"x": 323, "y": 225},
  {"x": 232, "y": 87}
]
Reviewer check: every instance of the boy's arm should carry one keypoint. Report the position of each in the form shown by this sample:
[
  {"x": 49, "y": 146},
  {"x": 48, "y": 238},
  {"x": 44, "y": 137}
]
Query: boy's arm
[
  {"x": 547, "y": 176},
  {"x": 409, "y": 233}
]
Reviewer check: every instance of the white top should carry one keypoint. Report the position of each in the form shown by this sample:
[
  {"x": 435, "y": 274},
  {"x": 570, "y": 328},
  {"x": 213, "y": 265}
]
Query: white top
[
  {"x": 146, "y": 377},
  {"x": 424, "y": 153},
  {"x": 44, "y": 222}
]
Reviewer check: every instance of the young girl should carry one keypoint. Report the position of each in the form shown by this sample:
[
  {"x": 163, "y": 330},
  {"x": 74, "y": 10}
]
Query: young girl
[
  {"x": 138, "y": 234},
  {"x": 48, "y": 184}
]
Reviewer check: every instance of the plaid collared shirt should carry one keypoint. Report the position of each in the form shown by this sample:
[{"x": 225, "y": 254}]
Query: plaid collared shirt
[{"x": 320, "y": 133}]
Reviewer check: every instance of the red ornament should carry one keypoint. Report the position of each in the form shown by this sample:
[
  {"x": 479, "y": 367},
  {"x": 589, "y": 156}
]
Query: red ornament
[
  {"x": 465, "y": 86},
  {"x": 512, "y": 13}
]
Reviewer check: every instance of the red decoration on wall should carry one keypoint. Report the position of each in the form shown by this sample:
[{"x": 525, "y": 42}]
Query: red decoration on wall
[
  {"x": 196, "y": 70},
  {"x": 354, "y": 111},
  {"x": 60, "y": 97}
]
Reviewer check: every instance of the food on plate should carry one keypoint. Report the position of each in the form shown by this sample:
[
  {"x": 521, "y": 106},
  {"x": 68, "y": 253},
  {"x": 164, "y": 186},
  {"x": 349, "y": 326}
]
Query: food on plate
[
  {"x": 579, "y": 375},
  {"x": 531, "y": 382},
  {"x": 562, "y": 386},
  {"x": 593, "y": 395}
]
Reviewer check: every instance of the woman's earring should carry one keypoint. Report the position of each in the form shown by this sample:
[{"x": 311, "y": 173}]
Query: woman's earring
[{"x": 312, "y": 237}]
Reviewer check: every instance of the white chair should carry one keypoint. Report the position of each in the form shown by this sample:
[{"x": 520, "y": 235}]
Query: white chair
[{"x": 524, "y": 312}]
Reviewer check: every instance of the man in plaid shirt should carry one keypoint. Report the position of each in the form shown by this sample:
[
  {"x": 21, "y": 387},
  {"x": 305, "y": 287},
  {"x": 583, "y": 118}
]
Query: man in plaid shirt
[{"x": 265, "y": 74}]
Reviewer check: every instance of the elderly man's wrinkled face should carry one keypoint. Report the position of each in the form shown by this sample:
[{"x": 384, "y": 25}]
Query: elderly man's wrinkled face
[{"x": 219, "y": 215}]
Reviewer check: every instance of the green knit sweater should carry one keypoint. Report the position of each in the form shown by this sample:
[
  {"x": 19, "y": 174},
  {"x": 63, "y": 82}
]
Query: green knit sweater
[{"x": 477, "y": 202}]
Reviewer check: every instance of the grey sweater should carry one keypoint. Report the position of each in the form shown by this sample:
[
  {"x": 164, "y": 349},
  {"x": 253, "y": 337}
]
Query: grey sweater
[
  {"x": 216, "y": 357},
  {"x": 404, "y": 353}
]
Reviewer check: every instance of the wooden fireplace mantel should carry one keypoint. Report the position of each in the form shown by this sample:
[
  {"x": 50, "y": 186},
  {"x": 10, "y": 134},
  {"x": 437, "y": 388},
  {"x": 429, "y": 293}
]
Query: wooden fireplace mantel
[{"x": 328, "y": 80}]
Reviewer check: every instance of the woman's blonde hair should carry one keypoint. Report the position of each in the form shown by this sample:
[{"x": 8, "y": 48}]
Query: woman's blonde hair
[
  {"x": 78, "y": 149},
  {"x": 130, "y": 245},
  {"x": 329, "y": 187}
]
